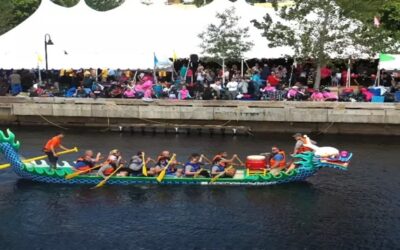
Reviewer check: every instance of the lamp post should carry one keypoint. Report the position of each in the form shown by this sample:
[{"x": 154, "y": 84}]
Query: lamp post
[{"x": 47, "y": 41}]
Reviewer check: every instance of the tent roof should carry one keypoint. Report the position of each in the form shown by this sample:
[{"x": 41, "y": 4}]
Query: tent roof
[{"x": 124, "y": 37}]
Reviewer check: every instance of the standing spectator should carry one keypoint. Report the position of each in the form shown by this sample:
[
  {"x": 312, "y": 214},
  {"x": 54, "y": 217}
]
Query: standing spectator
[
  {"x": 273, "y": 79},
  {"x": 15, "y": 80},
  {"x": 265, "y": 72},
  {"x": 326, "y": 74}
]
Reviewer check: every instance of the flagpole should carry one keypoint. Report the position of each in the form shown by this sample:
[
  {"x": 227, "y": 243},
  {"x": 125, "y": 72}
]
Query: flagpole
[
  {"x": 187, "y": 69},
  {"x": 241, "y": 67},
  {"x": 348, "y": 80},
  {"x": 291, "y": 73},
  {"x": 223, "y": 71},
  {"x": 39, "y": 73}
]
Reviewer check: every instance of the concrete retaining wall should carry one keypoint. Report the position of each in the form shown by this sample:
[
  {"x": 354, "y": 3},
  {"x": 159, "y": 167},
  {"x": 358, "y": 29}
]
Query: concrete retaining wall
[{"x": 258, "y": 113}]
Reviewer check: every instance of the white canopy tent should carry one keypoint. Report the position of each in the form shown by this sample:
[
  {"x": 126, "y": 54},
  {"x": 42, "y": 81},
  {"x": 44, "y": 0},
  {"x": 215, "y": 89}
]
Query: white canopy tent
[{"x": 125, "y": 37}]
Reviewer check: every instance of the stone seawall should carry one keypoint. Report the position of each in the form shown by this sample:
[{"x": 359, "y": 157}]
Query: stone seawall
[{"x": 259, "y": 116}]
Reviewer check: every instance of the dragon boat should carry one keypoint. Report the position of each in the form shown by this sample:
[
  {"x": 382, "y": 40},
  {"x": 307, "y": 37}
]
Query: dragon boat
[{"x": 307, "y": 164}]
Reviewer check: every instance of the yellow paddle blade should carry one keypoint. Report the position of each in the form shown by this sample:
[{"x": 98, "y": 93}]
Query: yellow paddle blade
[
  {"x": 144, "y": 167},
  {"x": 101, "y": 183},
  {"x": 161, "y": 176},
  {"x": 7, "y": 165}
]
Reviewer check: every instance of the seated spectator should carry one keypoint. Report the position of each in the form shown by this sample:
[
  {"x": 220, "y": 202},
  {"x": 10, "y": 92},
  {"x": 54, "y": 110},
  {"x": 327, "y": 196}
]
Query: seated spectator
[
  {"x": 184, "y": 93},
  {"x": 80, "y": 92},
  {"x": 317, "y": 96},
  {"x": 209, "y": 93},
  {"x": 292, "y": 93},
  {"x": 243, "y": 86},
  {"x": 129, "y": 93},
  {"x": 232, "y": 89},
  {"x": 217, "y": 87},
  {"x": 329, "y": 96},
  {"x": 366, "y": 94}
]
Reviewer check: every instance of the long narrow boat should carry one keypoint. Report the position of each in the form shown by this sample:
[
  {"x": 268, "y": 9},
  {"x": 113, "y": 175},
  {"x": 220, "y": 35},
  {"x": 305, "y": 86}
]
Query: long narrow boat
[{"x": 307, "y": 165}]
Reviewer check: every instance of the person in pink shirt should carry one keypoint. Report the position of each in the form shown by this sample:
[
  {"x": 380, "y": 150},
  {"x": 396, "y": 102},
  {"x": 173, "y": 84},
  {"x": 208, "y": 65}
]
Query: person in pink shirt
[
  {"x": 329, "y": 96},
  {"x": 184, "y": 93},
  {"x": 129, "y": 93},
  {"x": 317, "y": 96},
  {"x": 366, "y": 94},
  {"x": 147, "y": 87},
  {"x": 268, "y": 88},
  {"x": 293, "y": 91}
]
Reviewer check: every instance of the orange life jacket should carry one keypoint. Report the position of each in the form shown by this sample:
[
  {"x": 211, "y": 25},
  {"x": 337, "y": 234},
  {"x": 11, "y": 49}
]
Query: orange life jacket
[
  {"x": 282, "y": 163},
  {"x": 108, "y": 171}
]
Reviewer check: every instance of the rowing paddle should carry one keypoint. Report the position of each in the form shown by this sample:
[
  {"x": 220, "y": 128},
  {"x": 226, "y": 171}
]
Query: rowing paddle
[
  {"x": 101, "y": 183},
  {"x": 144, "y": 167},
  {"x": 240, "y": 161},
  {"x": 220, "y": 174},
  {"x": 77, "y": 173},
  {"x": 41, "y": 157},
  {"x": 161, "y": 176},
  {"x": 198, "y": 172}
]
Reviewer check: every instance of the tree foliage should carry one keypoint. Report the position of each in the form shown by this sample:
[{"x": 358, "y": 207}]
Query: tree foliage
[
  {"x": 104, "y": 5},
  {"x": 319, "y": 30},
  {"x": 226, "y": 39}
]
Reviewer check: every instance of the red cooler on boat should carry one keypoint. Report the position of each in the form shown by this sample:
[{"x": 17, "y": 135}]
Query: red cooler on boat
[{"x": 256, "y": 162}]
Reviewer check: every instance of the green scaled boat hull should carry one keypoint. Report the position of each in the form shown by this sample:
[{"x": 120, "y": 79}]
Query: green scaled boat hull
[{"x": 307, "y": 165}]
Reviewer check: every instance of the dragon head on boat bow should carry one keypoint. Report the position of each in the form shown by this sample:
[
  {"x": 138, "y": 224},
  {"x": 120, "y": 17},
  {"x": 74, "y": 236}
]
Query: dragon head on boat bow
[{"x": 309, "y": 161}]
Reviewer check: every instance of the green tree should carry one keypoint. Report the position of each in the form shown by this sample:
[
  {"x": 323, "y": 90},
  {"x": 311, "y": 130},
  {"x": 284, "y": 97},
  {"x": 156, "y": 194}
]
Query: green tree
[
  {"x": 319, "y": 30},
  {"x": 104, "y": 5},
  {"x": 390, "y": 18},
  {"x": 226, "y": 39},
  {"x": 66, "y": 3}
]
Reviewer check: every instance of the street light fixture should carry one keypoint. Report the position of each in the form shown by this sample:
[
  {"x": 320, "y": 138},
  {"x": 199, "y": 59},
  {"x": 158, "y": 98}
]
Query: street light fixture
[{"x": 47, "y": 41}]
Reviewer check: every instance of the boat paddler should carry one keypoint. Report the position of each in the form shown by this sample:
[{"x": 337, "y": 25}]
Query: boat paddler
[
  {"x": 87, "y": 161},
  {"x": 50, "y": 149},
  {"x": 193, "y": 167},
  {"x": 162, "y": 161},
  {"x": 114, "y": 160}
]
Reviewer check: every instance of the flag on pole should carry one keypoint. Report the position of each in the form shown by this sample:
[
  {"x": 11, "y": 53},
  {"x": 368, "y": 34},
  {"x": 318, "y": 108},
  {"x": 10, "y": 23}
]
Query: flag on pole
[
  {"x": 174, "y": 57},
  {"x": 155, "y": 60},
  {"x": 389, "y": 61},
  {"x": 161, "y": 63},
  {"x": 39, "y": 58},
  {"x": 377, "y": 22}
]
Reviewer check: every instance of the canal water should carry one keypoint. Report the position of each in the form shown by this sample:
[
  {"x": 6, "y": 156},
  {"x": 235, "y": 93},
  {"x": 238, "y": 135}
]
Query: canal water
[{"x": 356, "y": 209}]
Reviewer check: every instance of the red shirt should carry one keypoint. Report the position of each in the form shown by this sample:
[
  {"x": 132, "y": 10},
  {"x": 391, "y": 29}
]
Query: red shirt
[{"x": 273, "y": 80}]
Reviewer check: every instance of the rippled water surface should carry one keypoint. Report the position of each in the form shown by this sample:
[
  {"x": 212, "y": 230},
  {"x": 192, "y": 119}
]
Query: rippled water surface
[{"x": 359, "y": 208}]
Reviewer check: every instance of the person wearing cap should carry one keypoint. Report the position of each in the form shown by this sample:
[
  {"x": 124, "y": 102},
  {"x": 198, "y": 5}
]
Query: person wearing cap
[
  {"x": 114, "y": 160},
  {"x": 299, "y": 146}
]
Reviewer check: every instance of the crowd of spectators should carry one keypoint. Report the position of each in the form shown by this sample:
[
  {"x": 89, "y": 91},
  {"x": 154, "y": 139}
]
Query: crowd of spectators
[{"x": 259, "y": 82}]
